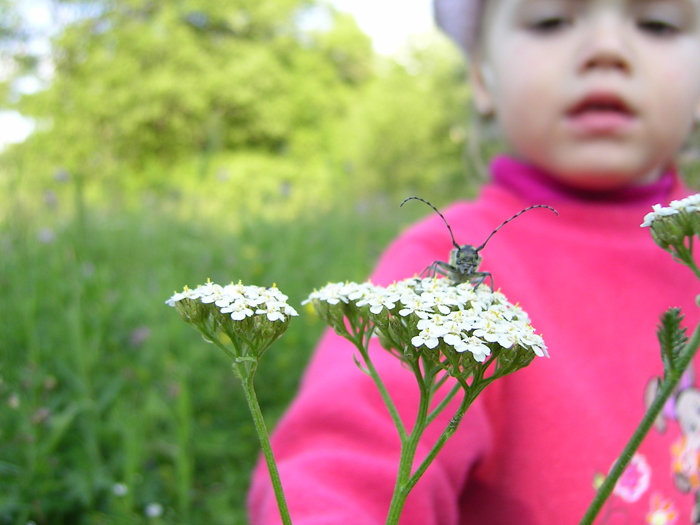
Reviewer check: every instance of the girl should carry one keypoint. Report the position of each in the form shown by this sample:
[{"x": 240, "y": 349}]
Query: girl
[{"x": 594, "y": 98}]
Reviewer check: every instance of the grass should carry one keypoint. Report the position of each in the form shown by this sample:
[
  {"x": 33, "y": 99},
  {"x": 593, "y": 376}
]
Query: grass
[{"x": 102, "y": 385}]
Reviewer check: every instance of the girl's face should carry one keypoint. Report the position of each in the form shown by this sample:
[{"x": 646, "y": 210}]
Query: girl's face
[{"x": 600, "y": 93}]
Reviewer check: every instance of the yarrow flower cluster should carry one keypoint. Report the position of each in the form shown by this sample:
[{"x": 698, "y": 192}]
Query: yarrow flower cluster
[
  {"x": 688, "y": 205},
  {"x": 430, "y": 312},
  {"x": 673, "y": 225},
  {"x": 253, "y": 317},
  {"x": 239, "y": 301}
]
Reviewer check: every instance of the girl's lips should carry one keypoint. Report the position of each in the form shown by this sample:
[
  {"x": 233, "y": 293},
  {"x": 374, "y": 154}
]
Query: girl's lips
[
  {"x": 600, "y": 122},
  {"x": 600, "y": 114}
]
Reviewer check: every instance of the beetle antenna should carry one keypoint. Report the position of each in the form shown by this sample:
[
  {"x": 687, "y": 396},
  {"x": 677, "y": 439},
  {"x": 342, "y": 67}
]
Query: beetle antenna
[
  {"x": 440, "y": 214},
  {"x": 513, "y": 217}
]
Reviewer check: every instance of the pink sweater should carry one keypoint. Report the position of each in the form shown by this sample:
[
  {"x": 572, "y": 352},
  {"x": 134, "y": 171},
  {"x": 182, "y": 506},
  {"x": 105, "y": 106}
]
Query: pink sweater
[{"x": 530, "y": 450}]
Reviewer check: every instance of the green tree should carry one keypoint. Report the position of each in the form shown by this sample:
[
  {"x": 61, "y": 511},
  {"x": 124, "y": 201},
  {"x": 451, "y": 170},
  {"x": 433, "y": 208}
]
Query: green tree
[
  {"x": 15, "y": 57},
  {"x": 140, "y": 80},
  {"x": 407, "y": 129}
]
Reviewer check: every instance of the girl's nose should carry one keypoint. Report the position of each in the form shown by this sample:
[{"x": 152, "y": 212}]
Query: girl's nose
[{"x": 605, "y": 48}]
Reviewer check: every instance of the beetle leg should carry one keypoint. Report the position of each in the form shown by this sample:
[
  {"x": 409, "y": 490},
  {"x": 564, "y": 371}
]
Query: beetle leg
[
  {"x": 478, "y": 278},
  {"x": 446, "y": 270}
]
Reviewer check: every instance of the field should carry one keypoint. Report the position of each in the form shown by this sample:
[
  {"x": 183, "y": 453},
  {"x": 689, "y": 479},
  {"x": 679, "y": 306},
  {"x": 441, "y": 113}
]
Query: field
[{"x": 112, "y": 408}]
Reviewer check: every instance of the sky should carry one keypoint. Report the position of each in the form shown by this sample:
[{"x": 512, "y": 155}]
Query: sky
[{"x": 387, "y": 22}]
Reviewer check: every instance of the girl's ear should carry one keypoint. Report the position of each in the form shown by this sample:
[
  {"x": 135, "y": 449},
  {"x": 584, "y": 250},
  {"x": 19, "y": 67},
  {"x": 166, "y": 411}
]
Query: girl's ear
[{"x": 482, "y": 86}]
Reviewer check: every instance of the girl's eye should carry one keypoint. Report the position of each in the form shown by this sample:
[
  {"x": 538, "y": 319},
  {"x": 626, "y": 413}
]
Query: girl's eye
[
  {"x": 658, "y": 27},
  {"x": 550, "y": 24}
]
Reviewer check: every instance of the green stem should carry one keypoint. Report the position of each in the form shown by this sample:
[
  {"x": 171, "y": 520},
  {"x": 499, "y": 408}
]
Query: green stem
[
  {"x": 363, "y": 348},
  {"x": 667, "y": 387},
  {"x": 446, "y": 401},
  {"x": 408, "y": 451},
  {"x": 245, "y": 371},
  {"x": 470, "y": 394},
  {"x": 212, "y": 337},
  {"x": 437, "y": 447},
  {"x": 260, "y": 428},
  {"x": 441, "y": 381},
  {"x": 691, "y": 264}
]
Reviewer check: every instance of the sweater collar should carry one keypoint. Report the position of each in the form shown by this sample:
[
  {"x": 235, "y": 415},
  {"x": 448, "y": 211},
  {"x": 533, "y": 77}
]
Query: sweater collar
[{"x": 535, "y": 184}]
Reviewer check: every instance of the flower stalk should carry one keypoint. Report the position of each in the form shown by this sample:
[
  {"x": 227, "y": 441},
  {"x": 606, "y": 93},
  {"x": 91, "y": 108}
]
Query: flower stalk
[
  {"x": 673, "y": 228},
  {"x": 250, "y": 319},
  {"x": 666, "y": 388}
]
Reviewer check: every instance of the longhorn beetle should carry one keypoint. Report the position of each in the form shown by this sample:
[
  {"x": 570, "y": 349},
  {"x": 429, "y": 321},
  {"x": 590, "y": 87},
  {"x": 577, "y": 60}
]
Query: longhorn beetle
[{"x": 465, "y": 260}]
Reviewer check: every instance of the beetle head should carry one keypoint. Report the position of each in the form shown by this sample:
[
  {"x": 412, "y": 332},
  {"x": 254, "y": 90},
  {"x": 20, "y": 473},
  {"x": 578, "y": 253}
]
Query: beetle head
[{"x": 466, "y": 259}]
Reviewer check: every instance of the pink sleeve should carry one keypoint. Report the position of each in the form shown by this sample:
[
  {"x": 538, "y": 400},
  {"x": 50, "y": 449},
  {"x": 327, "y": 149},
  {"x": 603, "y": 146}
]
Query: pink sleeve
[{"x": 337, "y": 448}]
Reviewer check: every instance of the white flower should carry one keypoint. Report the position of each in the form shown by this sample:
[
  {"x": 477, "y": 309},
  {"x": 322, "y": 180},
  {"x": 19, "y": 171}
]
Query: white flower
[
  {"x": 428, "y": 336},
  {"x": 332, "y": 293},
  {"x": 185, "y": 294},
  {"x": 288, "y": 310},
  {"x": 529, "y": 338},
  {"x": 120, "y": 489},
  {"x": 477, "y": 347},
  {"x": 377, "y": 299},
  {"x": 418, "y": 304},
  {"x": 688, "y": 205},
  {"x": 238, "y": 309},
  {"x": 154, "y": 510},
  {"x": 272, "y": 311},
  {"x": 209, "y": 290}
]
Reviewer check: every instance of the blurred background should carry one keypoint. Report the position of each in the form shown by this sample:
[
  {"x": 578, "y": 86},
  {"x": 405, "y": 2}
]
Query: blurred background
[{"x": 152, "y": 144}]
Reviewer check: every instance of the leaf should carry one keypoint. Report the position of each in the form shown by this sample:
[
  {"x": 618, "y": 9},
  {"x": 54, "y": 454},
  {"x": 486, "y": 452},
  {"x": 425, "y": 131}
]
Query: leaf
[
  {"x": 672, "y": 338},
  {"x": 61, "y": 423}
]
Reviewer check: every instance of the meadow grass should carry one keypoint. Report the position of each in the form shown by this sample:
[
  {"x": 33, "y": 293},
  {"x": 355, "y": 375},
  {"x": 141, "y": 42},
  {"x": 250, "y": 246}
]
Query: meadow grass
[{"x": 108, "y": 401}]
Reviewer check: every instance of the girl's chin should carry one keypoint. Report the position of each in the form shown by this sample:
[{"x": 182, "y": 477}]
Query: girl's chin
[{"x": 595, "y": 175}]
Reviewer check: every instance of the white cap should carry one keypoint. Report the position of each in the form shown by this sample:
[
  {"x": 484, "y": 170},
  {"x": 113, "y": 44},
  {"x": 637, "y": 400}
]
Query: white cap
[{"x": 460, "y": 20}]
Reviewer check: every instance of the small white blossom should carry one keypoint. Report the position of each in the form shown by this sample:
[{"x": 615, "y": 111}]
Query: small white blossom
[
  {"x": 238, "y": 309},
  {"x": 417, "y": 304},
  {"x": 429, "y": 337},
  {"x": 272, "y": 311},
  {"x": 478, "y": 348},
  {"x": 119, "y": 489},
  {"x": 14, "y": 402},
  {"x": 185, "y": 294},
  {"x": 530, "y": 338},
  {"x": 332, "y": 293},
  {"x": 209, "y": 291},
  {"x": 377, "y": 300},
  {"x": 154, "y": 510},
  {"x": 687, "y": 205}
]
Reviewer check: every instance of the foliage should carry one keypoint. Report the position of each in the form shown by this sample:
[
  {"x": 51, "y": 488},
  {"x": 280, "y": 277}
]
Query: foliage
[
  {"x": 142, "y": 89},
  {"x": 406, "y": 133},
  {"x": 143, "y": 80}
]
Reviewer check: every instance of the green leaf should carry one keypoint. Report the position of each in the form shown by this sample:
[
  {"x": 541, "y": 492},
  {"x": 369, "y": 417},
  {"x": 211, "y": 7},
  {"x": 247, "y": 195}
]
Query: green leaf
[{"x": 672, "y": 338}]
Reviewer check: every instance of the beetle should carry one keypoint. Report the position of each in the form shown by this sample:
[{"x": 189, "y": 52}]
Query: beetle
[{"x": 465, "y": 260}]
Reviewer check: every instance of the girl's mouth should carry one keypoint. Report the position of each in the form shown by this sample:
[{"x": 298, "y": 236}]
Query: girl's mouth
[{"x": 600, "y": 114}]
